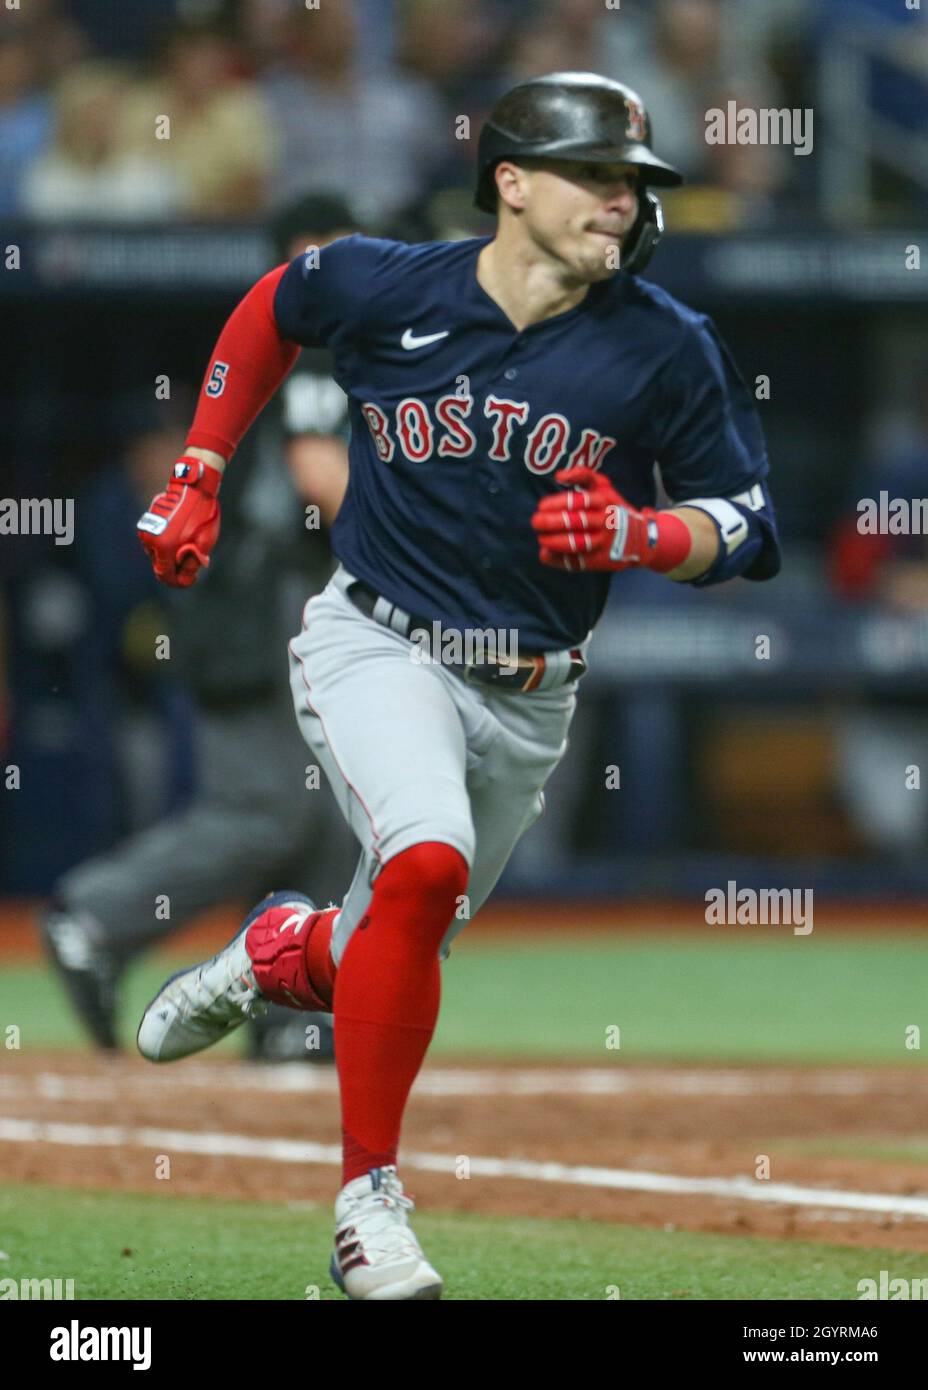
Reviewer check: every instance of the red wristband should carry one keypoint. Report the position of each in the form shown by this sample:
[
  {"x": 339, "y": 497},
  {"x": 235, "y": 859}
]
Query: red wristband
[
  {"x": 199, "y": 474},
  {"x": 672, "y": 541}
]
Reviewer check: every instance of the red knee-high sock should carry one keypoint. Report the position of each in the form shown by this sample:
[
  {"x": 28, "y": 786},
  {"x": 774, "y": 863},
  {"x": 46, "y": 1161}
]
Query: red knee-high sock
[
  {"x": 320, "y": 967},
  {"x": 386, "y": 998}
]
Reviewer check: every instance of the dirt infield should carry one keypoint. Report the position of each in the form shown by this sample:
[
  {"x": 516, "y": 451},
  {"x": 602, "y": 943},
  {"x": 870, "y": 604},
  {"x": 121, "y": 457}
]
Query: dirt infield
[{"x": 657, "y": 1146}]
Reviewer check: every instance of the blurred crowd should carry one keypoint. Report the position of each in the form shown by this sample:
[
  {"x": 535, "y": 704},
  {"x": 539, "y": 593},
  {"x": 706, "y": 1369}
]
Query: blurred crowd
[{"x": 225, "y": 109}]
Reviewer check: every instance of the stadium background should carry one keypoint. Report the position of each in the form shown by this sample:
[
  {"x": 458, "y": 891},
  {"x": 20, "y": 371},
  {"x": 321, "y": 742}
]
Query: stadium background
[{"x": 789, "y": 772}]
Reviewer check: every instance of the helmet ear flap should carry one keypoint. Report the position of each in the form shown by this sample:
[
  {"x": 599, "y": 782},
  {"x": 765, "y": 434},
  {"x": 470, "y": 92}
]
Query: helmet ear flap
[{"x": 640, "y": 244}]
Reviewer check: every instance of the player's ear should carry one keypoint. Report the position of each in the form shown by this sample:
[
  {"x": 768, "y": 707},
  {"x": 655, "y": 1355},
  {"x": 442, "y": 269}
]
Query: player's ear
[{"x": 511, "y": 185}]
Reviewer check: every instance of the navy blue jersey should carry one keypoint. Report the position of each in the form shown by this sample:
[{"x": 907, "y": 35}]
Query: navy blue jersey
[{"x": 458, "y": 421}]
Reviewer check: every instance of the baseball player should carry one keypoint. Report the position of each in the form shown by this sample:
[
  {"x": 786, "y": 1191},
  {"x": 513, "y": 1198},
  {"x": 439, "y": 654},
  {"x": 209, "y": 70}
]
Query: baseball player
[{"x": 509, "y": 398}]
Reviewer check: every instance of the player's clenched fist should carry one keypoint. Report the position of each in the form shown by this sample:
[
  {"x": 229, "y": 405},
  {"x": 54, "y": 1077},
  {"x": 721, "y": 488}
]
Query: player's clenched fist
[
  {"x": 181, "y": 526},
  {"x": 592, "y": 527}
]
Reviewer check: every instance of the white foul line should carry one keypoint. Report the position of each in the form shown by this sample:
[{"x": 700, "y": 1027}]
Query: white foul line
[
  {"x": 286, "y": 1078},
  {"x": 297, "y": 1151}
]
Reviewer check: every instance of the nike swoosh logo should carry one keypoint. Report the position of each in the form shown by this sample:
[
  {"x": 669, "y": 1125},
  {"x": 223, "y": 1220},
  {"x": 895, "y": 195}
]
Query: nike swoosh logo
[
  {"x": 294, "y": 919},
  {"x": 410, "y": 341}
]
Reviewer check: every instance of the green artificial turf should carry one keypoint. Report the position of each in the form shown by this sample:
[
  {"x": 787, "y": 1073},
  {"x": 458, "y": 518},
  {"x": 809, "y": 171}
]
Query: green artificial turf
[
  {"x": 754, "y": 999},
  {"x": 796, "y": 999},
  {"x": 129, "y": 1246}
]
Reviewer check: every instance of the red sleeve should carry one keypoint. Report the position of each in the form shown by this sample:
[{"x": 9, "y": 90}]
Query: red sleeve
[{"x": 248, "y": 364}]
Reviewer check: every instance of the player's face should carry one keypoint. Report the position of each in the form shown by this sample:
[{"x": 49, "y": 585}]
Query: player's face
[{"x": 579, "y": 212}]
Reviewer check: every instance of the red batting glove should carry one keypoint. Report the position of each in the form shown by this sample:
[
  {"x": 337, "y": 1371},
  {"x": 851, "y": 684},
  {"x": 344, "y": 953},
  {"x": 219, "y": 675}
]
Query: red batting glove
[
  {"x": 181, "y": 526},
  {"x": 593, "y": 528}
]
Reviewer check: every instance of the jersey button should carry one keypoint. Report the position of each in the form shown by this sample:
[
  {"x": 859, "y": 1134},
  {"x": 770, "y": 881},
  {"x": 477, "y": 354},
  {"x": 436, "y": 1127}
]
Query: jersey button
[
  {"x": 511, "y": 373},
  {"x": 486, "y": 563},
  {"x": 493, "y": 489}
]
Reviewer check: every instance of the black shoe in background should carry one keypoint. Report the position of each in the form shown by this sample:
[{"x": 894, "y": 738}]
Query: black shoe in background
[
  {"x": 286, "y": 1035},
  {"x": 88, "y": 967}
]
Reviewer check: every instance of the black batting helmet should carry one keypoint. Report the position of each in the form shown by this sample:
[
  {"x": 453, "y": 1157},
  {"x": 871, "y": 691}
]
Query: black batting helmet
[{"x": 577, "y": 115}]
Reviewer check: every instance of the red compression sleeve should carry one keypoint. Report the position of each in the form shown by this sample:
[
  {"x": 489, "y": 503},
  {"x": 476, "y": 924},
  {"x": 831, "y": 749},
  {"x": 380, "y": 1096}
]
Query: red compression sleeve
[{"x": 248, "y": 364}]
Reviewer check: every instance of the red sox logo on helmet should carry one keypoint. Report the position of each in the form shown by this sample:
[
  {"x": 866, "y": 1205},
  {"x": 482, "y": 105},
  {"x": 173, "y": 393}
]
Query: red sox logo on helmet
[{"x": 636, "y": 120}]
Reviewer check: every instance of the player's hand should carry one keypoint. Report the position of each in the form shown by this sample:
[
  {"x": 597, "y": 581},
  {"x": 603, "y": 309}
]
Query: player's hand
[
  {"x": 592, "y": 527},
  {"x": 181, "y": 526}
]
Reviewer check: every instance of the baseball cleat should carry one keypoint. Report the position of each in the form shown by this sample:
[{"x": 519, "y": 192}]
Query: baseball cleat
[
  {"x": 201, "y": 1005},
  {"x": 377, "y": 1256},
  {"x": 88, "y": 968}
]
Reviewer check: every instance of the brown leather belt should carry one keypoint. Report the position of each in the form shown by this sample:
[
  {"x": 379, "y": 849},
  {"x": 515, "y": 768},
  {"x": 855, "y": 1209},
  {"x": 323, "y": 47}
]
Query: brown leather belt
[{"x": 528, "y": 672}]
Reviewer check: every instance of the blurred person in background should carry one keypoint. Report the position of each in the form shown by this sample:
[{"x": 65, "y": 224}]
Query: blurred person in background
[
  {"x": 139, "y": 22},
  {"x": 25, "y": 115},
  {"x": 563, "y": 34},
  {"x": 228, "y": 649},
  {"x": 100, "y": 728},
  {"x": 58, "y": 38},
  {"x": 87, "y": 173},
  {"x": 469, "y": 54},
  {"x": 375, "y": 136},
  {"x": 682, "y": 60},
  {"x": 878, "y": 742},
  {"x": 454, "y": 46},
  {"x": 222, "y": 149},
  {"x": 147, "y": 711},
  {"x": 458, "y": 48}
]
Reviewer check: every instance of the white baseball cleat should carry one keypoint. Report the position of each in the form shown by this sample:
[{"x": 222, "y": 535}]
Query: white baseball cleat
[
  {"x": 198, "y": 1006},
  {"x": 376, "y": 1254}
]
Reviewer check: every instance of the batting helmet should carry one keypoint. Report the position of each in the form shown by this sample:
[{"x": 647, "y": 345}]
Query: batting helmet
[{"x": 578, "y": 115}]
